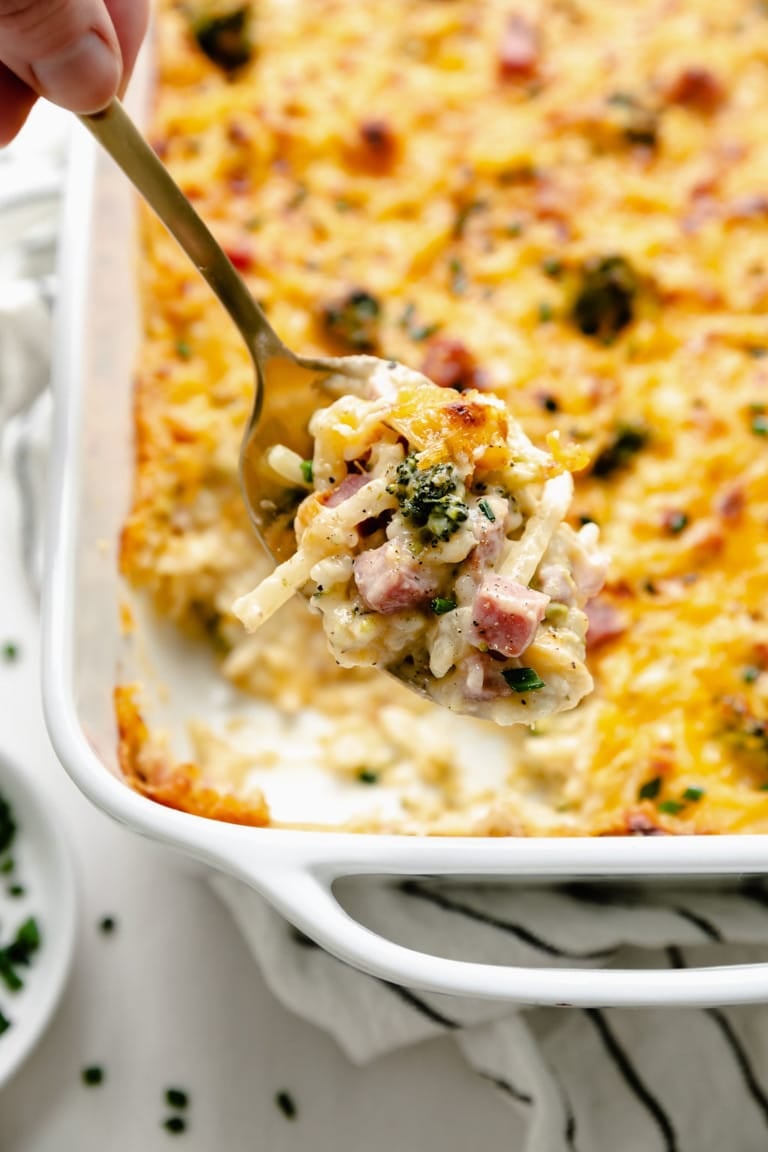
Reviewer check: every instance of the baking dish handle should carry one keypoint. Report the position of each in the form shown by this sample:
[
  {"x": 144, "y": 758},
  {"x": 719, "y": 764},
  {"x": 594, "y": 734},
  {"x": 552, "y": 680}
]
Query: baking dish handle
[{"x": 306, "y": 898}]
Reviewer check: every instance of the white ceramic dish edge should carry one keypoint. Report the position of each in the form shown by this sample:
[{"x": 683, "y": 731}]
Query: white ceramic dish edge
[{"x": 295, "y": 870}]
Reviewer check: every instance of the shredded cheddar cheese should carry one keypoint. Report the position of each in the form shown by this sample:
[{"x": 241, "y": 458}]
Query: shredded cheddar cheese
[{"x": 563, "y": 203}]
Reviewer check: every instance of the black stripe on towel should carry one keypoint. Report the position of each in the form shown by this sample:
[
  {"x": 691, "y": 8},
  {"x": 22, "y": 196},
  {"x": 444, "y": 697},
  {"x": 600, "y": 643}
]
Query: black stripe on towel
[
  {"x": 738, "y": 1051},
  {"x": 751, "y": 1082},
  {"x": 448, "y": 904},
  {"x": 404, "y": 994},
  {"x": 420, "y": 1005},
  {"x": 631, "y": 1077},
  {"x": 507, "y": 1088},
  {"x": 612, "y": 896}
]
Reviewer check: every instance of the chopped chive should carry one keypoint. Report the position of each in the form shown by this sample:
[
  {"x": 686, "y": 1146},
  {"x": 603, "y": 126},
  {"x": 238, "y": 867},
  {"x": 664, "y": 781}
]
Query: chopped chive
[
  {"x": 10, "y": 652},
  {"x": 286, "y": 1104},
  {"x": 6, "y": 866},
  {"x": 107, "y": 925},
  {"x": 442, "y": 604},
  {"x": 92, "y": 1075},
  {"x": 458, "y": 277},
  {"x": 16, "y": 890},
  {"x": 522, "y": 679},
  {"x": 545, "y": 312},
  {"x": 368, "y": 776},
  {"x": 750, "y": 674},
  {"x": 307, "y": 471},
  {"x": 486, "y": 510},
  {"x": 183, "y": 349},
  {"x": 671, "y": 807},
  {"x": 5, "y": 1023},
  {"x": 650, "y": 790},
  {"x": 423, "y": 331},
  {"x": 175, "y": 1124},
  {"x": 693, "y": 794},
  {"x": 176, "y": 1098},
  {"x": 514, "y": 228},
  {"x": 760, "y": 424},
  {"x": 28, "y": 937}
]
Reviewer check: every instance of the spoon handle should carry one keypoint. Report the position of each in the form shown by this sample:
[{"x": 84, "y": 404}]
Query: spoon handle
[{"x": 116, "y": 132}]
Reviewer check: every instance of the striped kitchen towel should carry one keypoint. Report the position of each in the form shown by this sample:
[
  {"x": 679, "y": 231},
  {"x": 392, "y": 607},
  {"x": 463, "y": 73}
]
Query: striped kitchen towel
[{"x": 592, "y": 1080}]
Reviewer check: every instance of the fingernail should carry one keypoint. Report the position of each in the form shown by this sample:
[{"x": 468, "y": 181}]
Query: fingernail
[{"x": 84, "y": 77}]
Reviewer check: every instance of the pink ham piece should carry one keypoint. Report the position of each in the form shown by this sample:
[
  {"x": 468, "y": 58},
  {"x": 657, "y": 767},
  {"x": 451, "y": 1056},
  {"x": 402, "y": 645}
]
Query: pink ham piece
[
  {"x": 519, "y": 49},
  {"x": 605, "y": 623},
  {"x": 505, "y": 614},
  {"x": 349, "y": 485},
  {"x": 389, "y": 579}
]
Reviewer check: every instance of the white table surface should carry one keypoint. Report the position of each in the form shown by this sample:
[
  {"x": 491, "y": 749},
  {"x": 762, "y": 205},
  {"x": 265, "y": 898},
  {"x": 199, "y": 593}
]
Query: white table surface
[{"x": 173, "y": 997}]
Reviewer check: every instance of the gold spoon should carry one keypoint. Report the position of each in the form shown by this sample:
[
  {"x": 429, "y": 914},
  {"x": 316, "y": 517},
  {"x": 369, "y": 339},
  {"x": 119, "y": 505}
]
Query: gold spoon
[{"x": 286, "y": 391}]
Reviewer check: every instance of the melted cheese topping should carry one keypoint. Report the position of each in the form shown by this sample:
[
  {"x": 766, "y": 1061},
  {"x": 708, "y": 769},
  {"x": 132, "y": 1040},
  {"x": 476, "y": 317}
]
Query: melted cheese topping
[{"x": 566, "y": 206}]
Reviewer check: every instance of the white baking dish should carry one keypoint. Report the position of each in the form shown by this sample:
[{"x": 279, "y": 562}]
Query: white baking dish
[{"x": 85, "y": 656}]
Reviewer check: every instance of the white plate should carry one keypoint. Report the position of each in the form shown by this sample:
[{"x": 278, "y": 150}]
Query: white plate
[{"x": 44, "y": 868}]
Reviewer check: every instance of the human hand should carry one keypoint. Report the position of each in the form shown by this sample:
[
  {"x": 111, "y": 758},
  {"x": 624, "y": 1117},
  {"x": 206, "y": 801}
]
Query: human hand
[{"x": 77, "y": 53}]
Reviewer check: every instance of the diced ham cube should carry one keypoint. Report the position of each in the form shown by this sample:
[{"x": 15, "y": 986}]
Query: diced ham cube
[
  {"x": 505, "y": 614},
  {"x": 519, "y": 49},
  {"x": 449, "y": 364},
  {"x": 349, "y": 485},
  {"x": 605, "y": 623},
  {"x": 696, "y": 87},
  {"x": 389, "y": 579}
]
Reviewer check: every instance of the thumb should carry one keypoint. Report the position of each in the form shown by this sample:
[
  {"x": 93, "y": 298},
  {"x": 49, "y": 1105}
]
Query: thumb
[{"x": 66, "y": 51}]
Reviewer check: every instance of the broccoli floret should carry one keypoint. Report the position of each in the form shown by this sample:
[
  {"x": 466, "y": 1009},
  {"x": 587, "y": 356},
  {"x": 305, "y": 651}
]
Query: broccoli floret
[{"x": 430, "y": 498}]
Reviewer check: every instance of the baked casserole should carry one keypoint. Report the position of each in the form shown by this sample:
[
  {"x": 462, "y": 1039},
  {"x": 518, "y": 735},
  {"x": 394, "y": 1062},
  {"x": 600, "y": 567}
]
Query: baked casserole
[{"x": 563, "y": 204}]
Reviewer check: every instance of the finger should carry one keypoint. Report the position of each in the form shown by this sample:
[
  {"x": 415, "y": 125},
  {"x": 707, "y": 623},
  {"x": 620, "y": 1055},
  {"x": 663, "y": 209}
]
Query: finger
[
  {"x": 129, "y": 18},
  {"x": 68, "y": 52},
  {"x": 16, "y": 99}
]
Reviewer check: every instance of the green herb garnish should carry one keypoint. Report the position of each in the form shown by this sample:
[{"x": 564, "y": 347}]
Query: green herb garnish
[
  {"x": 5, "y": 1023},
  {"x": 354, "y": 321},
  {"x": 671, "y": 807},
  {"x": 458, "y": 277},
  {"x": 368, "y": 776},
  {"x": 750, "y": 674},
  {"x": 677, "y": 522},
  {"x": 442, "y": 604},
  {"x": 92, "y": 1075},
  {"x": 546, "y": 312},
  {"x": 307, "y": 471},
  {"x": 10, "y": 652},
  {"x": 18, "y": 954},
  {"x": 605, "y": 301},
  {"x": 7, "y": 825},
  {"x": 176, "y": 1098},
  {"x": 552, "y": 266},
  {"x": 693, "y": 794},
  {"x": 175, "y": 1124},
  {"x": 430, "y": 498},
  {"x": 286, "y": 1104},
  {"x": 522, "y": 679},
  {"x": 226, "y": 39},
  {"x": 486, "y": 510},
  {"x": 16, "y": 890},
  {"x": 7, "y": 866},
  {"x": 107, "y": 925},
  {"x": 183, "y": 349},
  {"x": 650, "y": 790},
  {"x": 628, "y": 440},
  {"x": 760, "y": 424}
]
